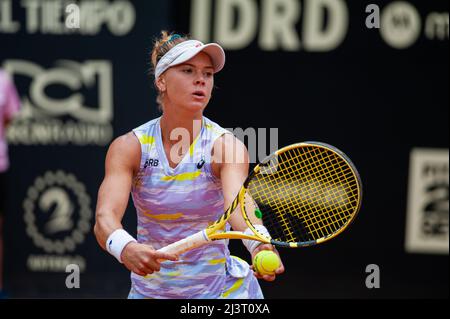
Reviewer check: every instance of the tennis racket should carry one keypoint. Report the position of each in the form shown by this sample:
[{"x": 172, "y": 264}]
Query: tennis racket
[{"x": 304, "y": 194}]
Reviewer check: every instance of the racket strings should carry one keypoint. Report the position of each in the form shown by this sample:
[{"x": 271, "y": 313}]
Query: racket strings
[
  {"x": 331, "y": 219},
  {"x": 305, "y": 194}
]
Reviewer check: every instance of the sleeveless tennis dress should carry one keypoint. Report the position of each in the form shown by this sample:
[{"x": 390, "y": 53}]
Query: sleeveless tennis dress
[{"x": 173, "y": 203}]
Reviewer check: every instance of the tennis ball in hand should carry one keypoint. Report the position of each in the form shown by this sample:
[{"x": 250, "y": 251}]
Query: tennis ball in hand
[{"x": 266, "y": 262}]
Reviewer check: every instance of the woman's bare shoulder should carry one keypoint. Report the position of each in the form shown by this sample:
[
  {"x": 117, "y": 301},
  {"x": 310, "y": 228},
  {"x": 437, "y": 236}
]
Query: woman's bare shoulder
[
  {"x": 228, "y": 150},
  {"x": 125, "y": 150}
]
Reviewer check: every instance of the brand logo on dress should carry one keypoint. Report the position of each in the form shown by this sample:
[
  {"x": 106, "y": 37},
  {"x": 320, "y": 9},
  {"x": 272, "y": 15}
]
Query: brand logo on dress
[
  {"x": 201, "y": 163},
  {"x": 151, "y": 162}
]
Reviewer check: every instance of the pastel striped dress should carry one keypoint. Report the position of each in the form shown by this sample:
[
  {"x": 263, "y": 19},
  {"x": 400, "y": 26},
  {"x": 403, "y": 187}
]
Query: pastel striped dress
[{"x": 173, "y": 203}]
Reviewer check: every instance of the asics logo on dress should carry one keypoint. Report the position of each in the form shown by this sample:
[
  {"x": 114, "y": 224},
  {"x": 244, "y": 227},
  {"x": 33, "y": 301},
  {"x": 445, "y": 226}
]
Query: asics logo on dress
[{"x": 201, "y": 163}]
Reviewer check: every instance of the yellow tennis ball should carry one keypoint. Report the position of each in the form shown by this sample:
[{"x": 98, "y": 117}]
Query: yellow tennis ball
[{"x": 266, "y": 262}]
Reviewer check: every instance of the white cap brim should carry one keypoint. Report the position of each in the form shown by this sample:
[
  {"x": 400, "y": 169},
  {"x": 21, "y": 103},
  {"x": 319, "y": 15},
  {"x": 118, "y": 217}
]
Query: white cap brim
[
  {"x": 185, "y": 51},
  {"x": 214, "y": 51}
]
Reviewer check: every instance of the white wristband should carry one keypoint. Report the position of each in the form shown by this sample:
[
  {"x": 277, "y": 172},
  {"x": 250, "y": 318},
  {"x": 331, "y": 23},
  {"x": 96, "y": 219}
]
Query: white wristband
[
  {"x": 117, "y": 241},
  {"x": 252, "y": 244}
]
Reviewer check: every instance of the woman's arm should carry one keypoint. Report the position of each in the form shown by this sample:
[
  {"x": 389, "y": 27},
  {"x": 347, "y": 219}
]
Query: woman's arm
[
  {"x": 231, "y": 164},
  {"x": 122, "y": 163}
]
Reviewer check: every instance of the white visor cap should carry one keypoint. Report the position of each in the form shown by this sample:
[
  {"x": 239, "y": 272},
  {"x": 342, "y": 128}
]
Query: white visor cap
[{"x": 186, "y": 50}]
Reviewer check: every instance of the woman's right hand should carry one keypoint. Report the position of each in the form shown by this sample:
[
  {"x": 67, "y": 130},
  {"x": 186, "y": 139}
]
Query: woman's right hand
[{"x": 143, "y": 259}]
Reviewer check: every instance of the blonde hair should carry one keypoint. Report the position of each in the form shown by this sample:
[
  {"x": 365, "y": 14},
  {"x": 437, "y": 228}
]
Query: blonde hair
[{"x": 161, "y": 46}]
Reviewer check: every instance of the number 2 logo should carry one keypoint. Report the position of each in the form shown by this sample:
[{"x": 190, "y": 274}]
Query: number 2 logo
[{"x": 60, "y": 219}]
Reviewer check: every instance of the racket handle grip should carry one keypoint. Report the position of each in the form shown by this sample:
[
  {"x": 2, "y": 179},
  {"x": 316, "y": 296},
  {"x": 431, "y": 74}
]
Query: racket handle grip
[{"x": 188, "y": 243}]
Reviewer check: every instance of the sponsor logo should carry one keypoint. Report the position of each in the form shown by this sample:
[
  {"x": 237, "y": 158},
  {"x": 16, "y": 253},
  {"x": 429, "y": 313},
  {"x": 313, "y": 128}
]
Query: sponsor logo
[
  {"x": 58, "y": 218},
  {"x": 70, "y": 103},
  {"x": 428, "y": 202}
]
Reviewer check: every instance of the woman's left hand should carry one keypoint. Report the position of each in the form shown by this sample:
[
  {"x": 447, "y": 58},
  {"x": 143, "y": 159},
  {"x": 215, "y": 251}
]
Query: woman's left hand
[{"x": 278, "y": 271}]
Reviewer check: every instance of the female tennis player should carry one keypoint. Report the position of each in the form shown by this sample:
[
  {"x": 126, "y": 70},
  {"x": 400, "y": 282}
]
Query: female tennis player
[{"x": 183, "y": 170}]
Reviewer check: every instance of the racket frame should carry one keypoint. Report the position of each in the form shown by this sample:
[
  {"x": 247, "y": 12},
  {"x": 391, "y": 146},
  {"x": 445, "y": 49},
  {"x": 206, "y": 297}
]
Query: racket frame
[{"x": 216, "y": 230}]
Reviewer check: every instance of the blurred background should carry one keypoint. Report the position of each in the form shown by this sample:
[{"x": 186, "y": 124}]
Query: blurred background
[{"x": 369, "y": 77}]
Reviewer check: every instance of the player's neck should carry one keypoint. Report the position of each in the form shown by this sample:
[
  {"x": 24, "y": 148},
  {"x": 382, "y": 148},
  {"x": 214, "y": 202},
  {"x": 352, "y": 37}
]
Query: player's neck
[{"x": 178, "y": 126}]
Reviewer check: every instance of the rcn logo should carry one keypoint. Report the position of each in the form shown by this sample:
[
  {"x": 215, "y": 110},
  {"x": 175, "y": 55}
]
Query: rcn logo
[
  {"x": 68, "y": 76},
  {"x": 71, "y": 102}
]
